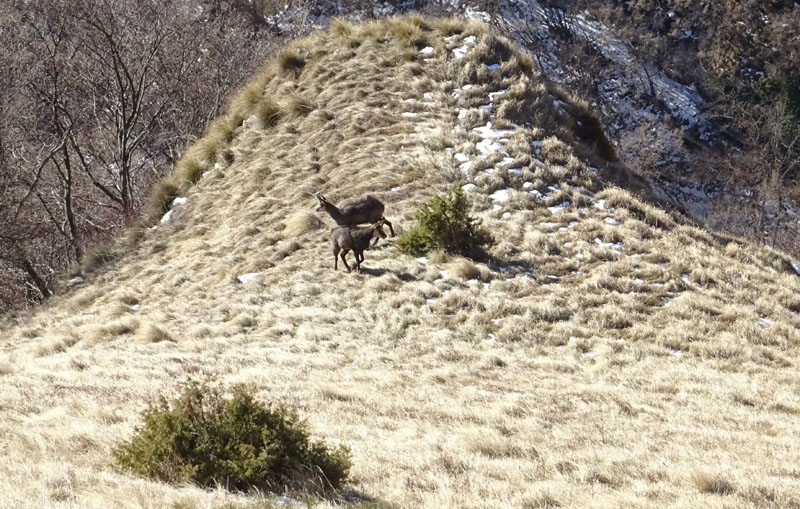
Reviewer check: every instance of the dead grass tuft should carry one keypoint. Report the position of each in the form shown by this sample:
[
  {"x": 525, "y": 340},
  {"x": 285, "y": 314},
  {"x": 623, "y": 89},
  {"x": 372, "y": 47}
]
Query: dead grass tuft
[
  {"x": 712, "y": 483},
  {"x": 298, "y": 106},
  {"x": 149, "y": 332},
  {"x": 269, "y": 113},
  {"x": 291, "y": 61},
  {"x": 467, "y": 269},
  {"x": 300, "y": 223}
]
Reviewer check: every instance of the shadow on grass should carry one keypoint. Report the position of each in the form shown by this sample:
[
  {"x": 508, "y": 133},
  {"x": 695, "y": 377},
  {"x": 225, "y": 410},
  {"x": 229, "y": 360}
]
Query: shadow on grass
[
  {"x": 354, "y": 499},
  {"x": 377, "y": 271}
]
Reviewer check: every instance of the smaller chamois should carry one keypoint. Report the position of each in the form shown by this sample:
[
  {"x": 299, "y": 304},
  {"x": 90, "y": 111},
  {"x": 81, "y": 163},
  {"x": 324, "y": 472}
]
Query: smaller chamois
[
  {"x": 355, "y": 239},
  {"x": 368, "y": 210}
]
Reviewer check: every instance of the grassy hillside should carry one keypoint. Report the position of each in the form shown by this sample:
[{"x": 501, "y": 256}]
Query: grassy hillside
[{"x": 608, "y": 353}]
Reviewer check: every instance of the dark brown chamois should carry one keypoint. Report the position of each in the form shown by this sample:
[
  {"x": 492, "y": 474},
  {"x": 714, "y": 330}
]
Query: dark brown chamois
[
  {"x": 368, "y": 210},
  {"x": 355, "y": 239}
]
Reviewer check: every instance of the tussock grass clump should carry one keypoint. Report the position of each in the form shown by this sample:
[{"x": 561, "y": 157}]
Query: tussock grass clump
[
  {"x": 95, "y": 259},
  {"x": 269, "y": 113},
  {"x": 299, "y": 106},
  {"x": 467, "y": 269},
  {"x": 301, "y": 222},
  {"x": 445, "y": 223},
  {"x": 149, "y": 332},
  {"x": 450, "y": 26},
  {"x": 618, "y": 198},
  {"x": 237, "y": 442},
  {"x": 162, "y": 196},
  {"x": 710, "y": 483},
  {"x": 291, "y": 61}
]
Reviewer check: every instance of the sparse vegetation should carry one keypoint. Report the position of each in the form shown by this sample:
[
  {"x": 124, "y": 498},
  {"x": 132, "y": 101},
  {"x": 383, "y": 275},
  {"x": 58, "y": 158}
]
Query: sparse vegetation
[{"x": 237, "y": 442}]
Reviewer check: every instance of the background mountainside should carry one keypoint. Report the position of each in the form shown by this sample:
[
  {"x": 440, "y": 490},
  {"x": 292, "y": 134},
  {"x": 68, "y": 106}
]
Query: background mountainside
[
  {"x": 576, "y": 366},
  {"x": 701, "y": 98}
]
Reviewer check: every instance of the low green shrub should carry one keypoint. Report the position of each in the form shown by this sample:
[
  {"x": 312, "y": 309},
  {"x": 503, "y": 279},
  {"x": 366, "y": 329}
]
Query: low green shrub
[
  {"x": 236, "y": 442},
  {"x": 445, "y": 223}
]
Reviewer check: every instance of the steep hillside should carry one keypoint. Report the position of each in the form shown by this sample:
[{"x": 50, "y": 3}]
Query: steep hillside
[{"x": 608, "y": 353}]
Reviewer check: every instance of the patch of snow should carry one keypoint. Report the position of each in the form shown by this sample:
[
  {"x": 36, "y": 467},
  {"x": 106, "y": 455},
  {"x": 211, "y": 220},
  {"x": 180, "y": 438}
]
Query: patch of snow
[
  {"x": 465, "y": 167},
  {"x": 492, "y": 337},
  {"x": 409, "y": 114},
  {"x": 467, "y": 87},
  {"x": 676, "y": 353},
  {"x": 427, "y": 95},
  {"x": 444, "y": 274},
  {"x": 180, "y": 200},
  {"x": 616, "y": 245},
  {"x": 515, "y": 171},
  {"x": 468, "y": 187},
  {"x": 536, "y": 143},
  {"x": 500, "y": 195},
  {"x": 558, "y": 208},
  {"x": 244, "y": 278},
  {"x": 492, "y": 95},
  {"x": 395, "y": 189},
  {"x": 166, "y": 217},
  {"x": 611, "y": 221},
  {"x": 487, "y": 146},
  {"x": 528, "y": 185},
  {"x": 422, "y": 260},
  {"x": 496, "y": 208},
  {"x": 590, "y": 354},
  {"x": 492, "y": 67},
  {"x": 685, "y": 278},
  {"x": 796, "y": 266},
  {"x": 485, "y": 286},
  {"x": 486, "y": 107},
  {"x": 461, "y": 158},
  {"x": 488, "y": 132},
  {"x": 462, "y": 114},
  {"x": 573, "y": 224},
  {"x": 428, "y": 50},
  {"x": 600, "y": 204},
  {"x": 506, "y": 215}
]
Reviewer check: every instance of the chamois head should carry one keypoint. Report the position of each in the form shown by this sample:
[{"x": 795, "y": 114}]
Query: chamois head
[
  {"x": 378, "y": 232},
  {"x": 322, "y": 200}
]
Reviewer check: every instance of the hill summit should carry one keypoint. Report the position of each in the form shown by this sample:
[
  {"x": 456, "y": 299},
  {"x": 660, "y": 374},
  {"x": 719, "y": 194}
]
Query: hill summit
[{"x": 605, "y": 353}]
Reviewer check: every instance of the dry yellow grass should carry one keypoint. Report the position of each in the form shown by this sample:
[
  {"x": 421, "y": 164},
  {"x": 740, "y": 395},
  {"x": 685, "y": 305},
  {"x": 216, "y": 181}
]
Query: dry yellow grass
[{"x": 607, "y": 355}]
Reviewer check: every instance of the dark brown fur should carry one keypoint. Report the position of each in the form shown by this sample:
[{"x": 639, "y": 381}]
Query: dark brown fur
[
  {"x": 355, "y": 239},
  {"x": 368, "y": 210}
]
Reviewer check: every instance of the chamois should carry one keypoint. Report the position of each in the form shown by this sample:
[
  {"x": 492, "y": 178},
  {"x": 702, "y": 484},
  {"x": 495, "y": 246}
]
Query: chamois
[
  {"x": 356, "y": 239},
  {"x": 368, "y": 210}
]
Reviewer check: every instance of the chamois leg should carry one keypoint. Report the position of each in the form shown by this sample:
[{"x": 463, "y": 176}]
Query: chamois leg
[
  {"x": 335, "y": 257},
  {"x": 344, "y": 260},
  {"x": 359, "y": 259},
  {"x": 387, "y": 223}
]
